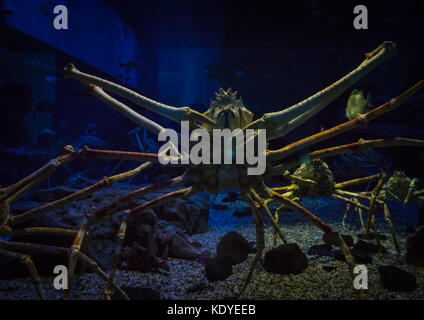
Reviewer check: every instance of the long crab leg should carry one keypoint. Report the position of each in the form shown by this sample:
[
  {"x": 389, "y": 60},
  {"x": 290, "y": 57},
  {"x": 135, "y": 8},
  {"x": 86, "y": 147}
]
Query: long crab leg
[
  {"x": 361, "y": 145},
  {"x": 18, "y": 189},
  {"x": 7, "y": 248},
  {"x": 121, "y": 237},
  {"x": 26, "y": 259},
  {"x": 274, "y": 220},
  {"x": 161, "y": 200},
  {"x": 74, "y": 255},
  {"x": 282, "y": 122},
  {"x": 355, "y": 182},
  {"x": 348, "y": 207},
  {"x": 351, "y": 202},
  {"x": 386, "y": 213},
  {"x": 360, "y": 120},
  {"x": 40, "y": 248},
  {"x": 374, "y": 194},
  {"x": 136, "y": 194},
  {"x": 21, "y": 187},
  {"x": 104, "y": 183},
  {"x": 298, "y": 208},
  {"x": 260, "y": 240},
  {"x": 173, "y": 113},
  {"x": 392, "y": 229},
  {"x": 44, "y": 231},
  {"x": 95, "y": 268},
  {"x": 128, "y": 113}
]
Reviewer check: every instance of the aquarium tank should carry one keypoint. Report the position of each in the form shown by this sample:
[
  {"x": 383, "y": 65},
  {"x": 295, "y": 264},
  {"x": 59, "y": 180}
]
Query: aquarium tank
[{"x": 186, "y": 151}]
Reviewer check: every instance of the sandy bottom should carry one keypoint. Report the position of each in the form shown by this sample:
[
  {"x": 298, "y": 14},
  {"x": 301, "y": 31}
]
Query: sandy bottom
[{"x": 186, "y": 280}]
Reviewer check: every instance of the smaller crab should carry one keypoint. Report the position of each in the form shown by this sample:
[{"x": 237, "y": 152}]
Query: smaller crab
[
  {"x": 399, "y": 187},
  {"x": 315, "y": 179}
]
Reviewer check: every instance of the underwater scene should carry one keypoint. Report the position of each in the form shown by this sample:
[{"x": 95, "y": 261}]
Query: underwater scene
[{"x": 211, "y": 150}]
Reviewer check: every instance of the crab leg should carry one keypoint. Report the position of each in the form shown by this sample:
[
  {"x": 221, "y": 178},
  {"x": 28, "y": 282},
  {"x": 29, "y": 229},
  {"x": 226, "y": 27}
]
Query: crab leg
[
  {"x": 121, "y": 236},
  {"x": 355, "y": 182},
  {"x": 44, "y": 231},
  {"x": 37, "y": 248},
  {"x": 274, "y": 220},
  {"x": 182, "y": 193},
  {"x": 351, "y": 202},
  {"x": 124, "y": 110},
  {"x": 356, "y": 209},
  {"x": 374, "y": 195},
  {"x": 361, "y": 145},
  {"x": 282, "y": 122},
  {"x": 136, "y": 194},
  {"x": 33, "y": 247},
  {"x": 95, "y": 268},
  {"x": 127, "y": 112},
  {"x": 173, "y": 113},
  {"x": 392, "y": 229},
  {"x": 348, "y": 207},
  {"x": 360, "y": 120},
  {"x": 26, "y": 259},
  {"x": 260, "y": 239},
  {"x": 74, "y": 255},
  {"x": 298, "y": 208},
  {"x": 104, "y": 183},
  {"x": 17, "y": 190},
  {"x": 386, "y": 213}
]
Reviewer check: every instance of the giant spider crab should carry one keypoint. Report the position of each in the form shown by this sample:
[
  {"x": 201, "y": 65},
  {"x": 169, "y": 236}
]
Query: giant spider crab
[{"x": 226, "y": 111}]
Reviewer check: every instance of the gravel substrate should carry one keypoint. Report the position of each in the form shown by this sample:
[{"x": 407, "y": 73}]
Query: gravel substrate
[{"x": 186, "y": 280}]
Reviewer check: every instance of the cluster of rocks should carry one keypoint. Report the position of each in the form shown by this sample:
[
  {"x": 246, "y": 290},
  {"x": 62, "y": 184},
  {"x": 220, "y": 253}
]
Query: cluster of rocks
[
  {"x": 233, "y": 249},
  {"x": 392, "y": 278}
]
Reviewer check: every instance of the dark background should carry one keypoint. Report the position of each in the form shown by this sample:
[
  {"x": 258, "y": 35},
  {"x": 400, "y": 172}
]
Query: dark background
[{"x": 274, "y": 53}]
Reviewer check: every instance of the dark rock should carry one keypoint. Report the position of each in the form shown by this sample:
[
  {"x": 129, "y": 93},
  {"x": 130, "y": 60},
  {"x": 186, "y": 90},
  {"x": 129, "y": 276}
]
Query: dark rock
[
  {"x": 138, "y": 258},
  {"x": 415, "y": 249},
  {"x": 321, "y": 250},
  {"x": 190, "y": 214},
  {"x": 234, "y": 246},
  {"x": 358, "y": 255},
  {"x": 220, "y": 207},
  {"x": 245, "y": 212},
  {"x": 372, "y": 236},
  {"x": 333, "y": 239},
  {"x": 367, "y": 247},
  {"x": 219, "y": 268},
  {"x": 285, "y": 259},
  {"x": 329, "y": 268},
  {"x": 395, "y": 279},
  {"x": 176, "y": 242}
]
